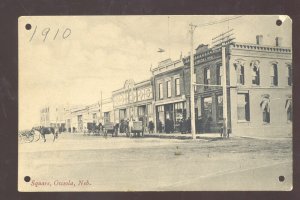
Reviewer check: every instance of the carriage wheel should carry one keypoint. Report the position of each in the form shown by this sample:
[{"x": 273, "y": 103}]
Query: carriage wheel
[
  {"x": 29, "y": 137},
  {"x": 20, "y": 138},
  {"x": 37, "y": 137}
]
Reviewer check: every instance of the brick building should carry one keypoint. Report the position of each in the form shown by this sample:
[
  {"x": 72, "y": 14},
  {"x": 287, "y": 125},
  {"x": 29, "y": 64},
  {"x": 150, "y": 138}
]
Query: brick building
[{"x": 169, "y": 93}]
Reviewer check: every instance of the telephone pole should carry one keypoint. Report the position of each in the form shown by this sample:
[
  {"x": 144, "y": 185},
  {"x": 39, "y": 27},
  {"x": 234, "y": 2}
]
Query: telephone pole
[
  {"x": 225, "y": 134},
  {"x": 192, "y": 88},
  {"x": 222, "y": 41},
  {"x": 101, "y": 112}
]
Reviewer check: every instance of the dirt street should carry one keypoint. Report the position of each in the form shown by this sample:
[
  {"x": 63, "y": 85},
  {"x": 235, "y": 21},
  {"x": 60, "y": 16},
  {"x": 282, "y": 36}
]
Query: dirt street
[{"x": 93, "y": 163}]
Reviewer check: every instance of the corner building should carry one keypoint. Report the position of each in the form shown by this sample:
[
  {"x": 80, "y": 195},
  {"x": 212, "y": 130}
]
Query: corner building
[{"x": 259, "y": 88}]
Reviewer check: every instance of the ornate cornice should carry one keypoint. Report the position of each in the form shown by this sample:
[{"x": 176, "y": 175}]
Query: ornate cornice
[{"x": 255, "y": 47}]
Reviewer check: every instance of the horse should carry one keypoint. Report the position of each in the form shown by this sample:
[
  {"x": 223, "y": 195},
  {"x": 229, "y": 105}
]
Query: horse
[{"x": 47, "y": 130}]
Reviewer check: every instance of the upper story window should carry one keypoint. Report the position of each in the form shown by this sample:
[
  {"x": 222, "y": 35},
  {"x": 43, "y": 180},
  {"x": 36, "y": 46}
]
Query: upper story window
[
  {"x": 177, "y": 86},
  {"x": 219, "y": 74},
  {"x": 240, "y": 71},
  {"x": 255, "y": 72},
  {"x": 274, "y": 75},
  {"x": 289, "y": 75},
  {"x": 169, "y": 89},
  {"x": 206, "y": 77},
  {"x": 160, "y": 91}
]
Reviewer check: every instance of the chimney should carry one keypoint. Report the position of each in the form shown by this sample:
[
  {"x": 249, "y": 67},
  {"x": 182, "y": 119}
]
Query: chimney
[
  {"x": 278, "y": 41},
  {"x": 259, "y": 39}
]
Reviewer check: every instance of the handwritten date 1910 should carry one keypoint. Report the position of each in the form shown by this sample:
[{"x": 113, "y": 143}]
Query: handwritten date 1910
[{"x": 45, "y": 33}]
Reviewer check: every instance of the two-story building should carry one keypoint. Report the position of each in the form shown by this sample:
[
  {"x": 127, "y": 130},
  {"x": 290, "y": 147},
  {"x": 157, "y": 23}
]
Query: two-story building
[
  {"x": 169, "y": 94},
  {"x": 259, "y": 87},
  {"x": 133, "y": 100}
]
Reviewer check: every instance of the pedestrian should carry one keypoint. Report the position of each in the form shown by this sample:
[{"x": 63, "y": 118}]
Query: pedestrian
[
  {"x": 151, "y": 127},
  {"x": 159, "y": 126},
  {"x": 184, "y": 126},
  {"x": 188, "y": 125}
]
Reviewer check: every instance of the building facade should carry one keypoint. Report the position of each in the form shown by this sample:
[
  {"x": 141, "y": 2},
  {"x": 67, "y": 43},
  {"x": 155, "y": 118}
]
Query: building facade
[
  {"x": 134, "y": 101},
  {"x": 52, "y": 116},
  {"x": 169, "y": 95},
  {"x": 107, "y": 113},
  {"x": 259, "y": 88},
  {"x": 259, "y": 93}
]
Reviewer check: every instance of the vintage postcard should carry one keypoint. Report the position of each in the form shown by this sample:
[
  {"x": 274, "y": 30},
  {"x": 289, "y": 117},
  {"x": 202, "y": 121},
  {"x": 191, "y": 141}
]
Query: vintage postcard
[{"x": 155, "y": 103}]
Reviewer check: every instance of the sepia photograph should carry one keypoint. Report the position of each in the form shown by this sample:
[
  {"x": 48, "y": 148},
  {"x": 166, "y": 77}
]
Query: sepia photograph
[{"x": 155, "y": 103}]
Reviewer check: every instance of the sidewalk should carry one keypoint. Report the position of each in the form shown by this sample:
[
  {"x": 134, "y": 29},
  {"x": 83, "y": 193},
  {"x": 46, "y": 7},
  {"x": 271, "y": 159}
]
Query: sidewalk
[
  {"x": 209, "y": 136},
  {"x": 183, "y": 136}
]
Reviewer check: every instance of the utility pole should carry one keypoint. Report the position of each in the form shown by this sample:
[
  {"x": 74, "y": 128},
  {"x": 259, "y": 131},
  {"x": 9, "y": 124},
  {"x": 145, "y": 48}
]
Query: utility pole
[
  {"x": 192, "y": 88},
  {"x": 101, "y": 112},
  {"x": 225, "y": 134}
]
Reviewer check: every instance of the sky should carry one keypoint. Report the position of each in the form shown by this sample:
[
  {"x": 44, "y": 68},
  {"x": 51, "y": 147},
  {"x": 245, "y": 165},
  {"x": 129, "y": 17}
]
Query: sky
[{"x": 99, "y": 53}]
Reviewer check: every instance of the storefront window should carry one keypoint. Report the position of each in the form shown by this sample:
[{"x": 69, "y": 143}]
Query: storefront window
[
  {"x": 141, "y": 111},
  {"x": 243, "y": 107},
  {"x": 220, "y": 107},
  {"x": 207, "y": 103}
]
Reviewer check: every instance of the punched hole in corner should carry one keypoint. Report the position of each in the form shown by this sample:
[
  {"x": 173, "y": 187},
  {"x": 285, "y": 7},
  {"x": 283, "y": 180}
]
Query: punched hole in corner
[
  {"x": 281, "y": 178},
  {"x": 278, "y": 22},
  {"x": 28, "y": 26},
  {"x": 27, "y": 179}
]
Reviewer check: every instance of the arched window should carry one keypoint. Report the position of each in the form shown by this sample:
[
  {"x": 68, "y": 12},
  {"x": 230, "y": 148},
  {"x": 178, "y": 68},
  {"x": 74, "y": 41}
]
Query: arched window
[
  {"x": 265, "y": 107},
  {"x": 289, "y": 74},
  {"x": 255, "y": 72},
  {"x": 289, "y": 109},
  {"x": 274, "y": 74},
  {"x": 240, "y": 72}
]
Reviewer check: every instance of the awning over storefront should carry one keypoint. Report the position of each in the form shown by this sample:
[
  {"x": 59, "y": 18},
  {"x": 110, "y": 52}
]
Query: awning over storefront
[{"x": 168, "y": 101}]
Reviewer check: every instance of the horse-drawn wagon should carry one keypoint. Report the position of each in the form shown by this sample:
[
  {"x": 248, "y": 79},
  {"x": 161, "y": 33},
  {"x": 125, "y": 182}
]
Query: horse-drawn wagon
[
  {"x": 109, "y": 127},
  {"x": 137, "y": 128}
]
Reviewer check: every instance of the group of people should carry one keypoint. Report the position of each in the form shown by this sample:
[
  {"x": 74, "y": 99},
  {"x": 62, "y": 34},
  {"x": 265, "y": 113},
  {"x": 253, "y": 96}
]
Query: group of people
[{"x": 168, "y": 127}]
